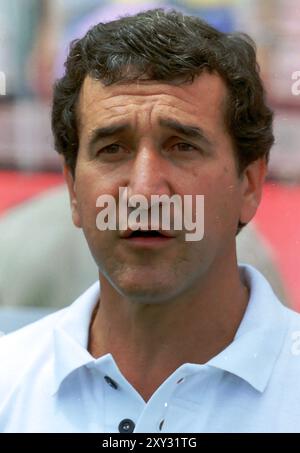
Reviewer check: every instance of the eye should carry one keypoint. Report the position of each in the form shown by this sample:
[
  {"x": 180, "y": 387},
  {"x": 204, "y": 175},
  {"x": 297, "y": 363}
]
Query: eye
[
  {"x": 110, "y": 149},
  {"x": 184, "y": 147},
  {"x": 113, "y": 153}
]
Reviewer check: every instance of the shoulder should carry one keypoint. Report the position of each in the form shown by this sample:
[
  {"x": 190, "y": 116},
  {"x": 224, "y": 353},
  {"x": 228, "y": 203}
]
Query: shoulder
[
  {"x": 278, "y": 324},
  {"x": 286, "y": 372},
  {"x": 20, "y": 350},
  {"x": 32, "y": 348},
  {"x": 292, "y": 340}
]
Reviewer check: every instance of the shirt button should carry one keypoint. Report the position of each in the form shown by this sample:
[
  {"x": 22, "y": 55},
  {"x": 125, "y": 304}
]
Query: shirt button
[
  {"x": 161, "y": 425},
  {"x": 126, "y": 426},
  {"x": 111, "y": 382}
]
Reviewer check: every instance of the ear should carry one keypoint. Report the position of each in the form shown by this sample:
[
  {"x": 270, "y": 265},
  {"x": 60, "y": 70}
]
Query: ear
[
  {"x": 70, "y": 180},
  {"x": 252, "y": 184}
]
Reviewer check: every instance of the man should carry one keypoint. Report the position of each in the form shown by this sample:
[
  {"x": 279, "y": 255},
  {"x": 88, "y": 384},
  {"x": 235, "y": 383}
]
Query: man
[{"x": 180, "y": 339}]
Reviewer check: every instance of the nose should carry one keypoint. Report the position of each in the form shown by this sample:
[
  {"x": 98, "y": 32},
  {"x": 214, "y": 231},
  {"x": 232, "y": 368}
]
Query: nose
[{"x": 149, "y": 174}]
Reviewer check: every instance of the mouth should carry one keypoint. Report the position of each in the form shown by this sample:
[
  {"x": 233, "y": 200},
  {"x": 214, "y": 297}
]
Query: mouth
[
  {"x": 131, "y": 234},
  {"x": 148, "y": 238}
]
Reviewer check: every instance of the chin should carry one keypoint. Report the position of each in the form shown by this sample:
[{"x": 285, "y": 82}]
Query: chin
[
  {"x": 144, "y": 285},
  {"x": 148, "y": 292}
]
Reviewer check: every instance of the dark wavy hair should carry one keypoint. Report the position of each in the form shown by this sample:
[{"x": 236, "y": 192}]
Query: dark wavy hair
[{"x": 167, "y": 46}]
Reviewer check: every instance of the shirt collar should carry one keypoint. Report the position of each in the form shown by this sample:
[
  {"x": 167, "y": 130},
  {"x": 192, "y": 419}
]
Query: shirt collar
[
  {"x": 70, "y": 336},
  {"x": 251, "y": 356},
  {"x": 258, "y": 341}
]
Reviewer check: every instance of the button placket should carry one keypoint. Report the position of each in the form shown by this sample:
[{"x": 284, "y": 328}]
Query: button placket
[
  {"x": 121, "y": 408},
  {"x": 166, "y": 404}
]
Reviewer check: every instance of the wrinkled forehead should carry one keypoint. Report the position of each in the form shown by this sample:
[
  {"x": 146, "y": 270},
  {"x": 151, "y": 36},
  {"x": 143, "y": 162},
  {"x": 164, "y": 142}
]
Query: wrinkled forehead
[{"x": 204, "y": 96}]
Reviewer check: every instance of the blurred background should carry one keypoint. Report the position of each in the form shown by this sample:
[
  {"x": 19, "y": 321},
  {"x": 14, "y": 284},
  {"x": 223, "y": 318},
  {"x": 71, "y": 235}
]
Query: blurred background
[{"x": 44, "y": 262}]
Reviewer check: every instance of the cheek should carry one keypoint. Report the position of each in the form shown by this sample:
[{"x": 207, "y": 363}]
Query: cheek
[
  {"x": 87, "y": 192},
  {"x": 91, "y": 184},
  {"x": 222, "y": 203}
]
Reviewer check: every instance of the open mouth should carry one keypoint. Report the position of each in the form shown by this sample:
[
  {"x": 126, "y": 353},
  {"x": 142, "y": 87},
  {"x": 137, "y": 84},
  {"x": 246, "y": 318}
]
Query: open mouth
[{"x": 146, "y": 234}]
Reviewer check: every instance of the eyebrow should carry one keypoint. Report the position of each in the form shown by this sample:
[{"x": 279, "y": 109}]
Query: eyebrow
[
  {"x": 186, "y": 129},
  {"x": 107, "y": 131}
]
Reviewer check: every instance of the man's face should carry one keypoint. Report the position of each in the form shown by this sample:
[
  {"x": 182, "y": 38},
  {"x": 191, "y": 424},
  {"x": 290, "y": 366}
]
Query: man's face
[{"x": 151, "y": 149}]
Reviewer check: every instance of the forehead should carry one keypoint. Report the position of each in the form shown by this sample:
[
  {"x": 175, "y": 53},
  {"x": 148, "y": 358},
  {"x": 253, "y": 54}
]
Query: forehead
[{"x": 203, "y": 99}]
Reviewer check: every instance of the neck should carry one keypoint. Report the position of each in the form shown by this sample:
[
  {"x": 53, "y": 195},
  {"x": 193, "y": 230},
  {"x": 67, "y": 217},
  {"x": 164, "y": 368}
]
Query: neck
[{"x": 150, "y": 341}]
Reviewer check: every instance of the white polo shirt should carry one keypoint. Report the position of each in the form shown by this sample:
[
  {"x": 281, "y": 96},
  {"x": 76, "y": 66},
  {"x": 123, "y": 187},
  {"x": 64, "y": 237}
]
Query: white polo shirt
[{"x": 49, "y": 382}]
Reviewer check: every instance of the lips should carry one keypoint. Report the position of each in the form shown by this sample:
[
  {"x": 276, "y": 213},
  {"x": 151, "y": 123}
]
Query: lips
[{"x": 146, "y": 233}]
